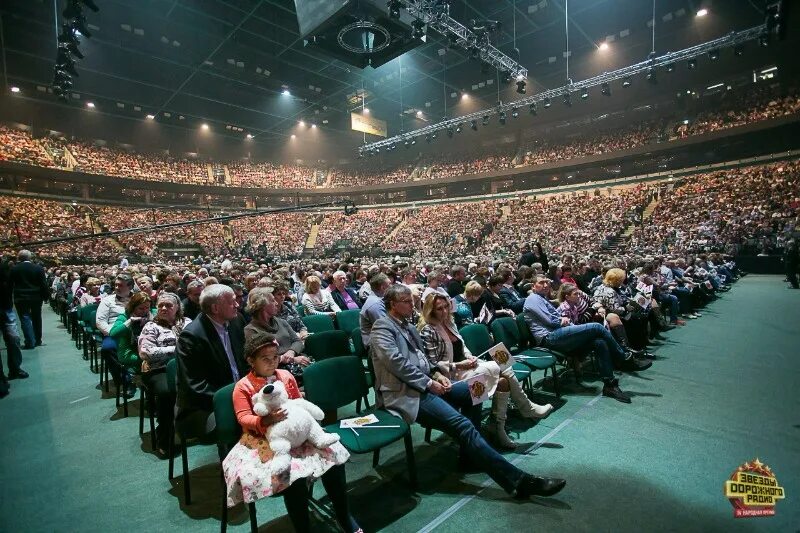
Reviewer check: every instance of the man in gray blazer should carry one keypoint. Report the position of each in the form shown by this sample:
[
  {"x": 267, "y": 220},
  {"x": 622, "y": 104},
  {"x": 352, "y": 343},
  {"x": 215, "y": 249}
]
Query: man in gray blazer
[
  {"x": 404, "y": 387},
  {"x": 373, "y": 308}
]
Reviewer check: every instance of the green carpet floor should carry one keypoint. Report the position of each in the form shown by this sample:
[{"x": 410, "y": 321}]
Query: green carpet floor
[{"x": 723, "y": 391}]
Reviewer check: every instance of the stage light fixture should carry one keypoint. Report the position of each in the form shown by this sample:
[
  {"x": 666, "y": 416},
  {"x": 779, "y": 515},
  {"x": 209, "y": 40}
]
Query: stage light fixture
[
  {"x": 605, "y": 89},
  {"x": 205, "y": 127},
  {"x": 286, "y": 92},
  {"x": 670, "y": 67},
  {"x": 702, "y": 12},
  {"x": 249, "y": 135},
  {"x": 90, "y": 105},
  {"x": 546, "y": 103},
  {"x": 627, "y": 82},
  {"x": 301, "y": 123},
  {"x": 691, "y": 64},
  {"x": 434, "y": 135},
  {"x": 502, "y": 118},
  {"x": 458, "y": 128},
  {"x": 521, "y": 87},
  {"x": 473, "y": 124},
  {"x": 584, "y": 94},
  {"x": 394, "y": 8},
  {"x": 713, "y": 55},
  {"x": 417, "y": 29},
  {"x": 15, "y": 89},
  {"x": 603, "y": 46},
  {"x": 532, "y": 108},
  {"x": 738, "y": 51},
  {"x": 413, "y": 141},
  {"x": 450, "y": 132},
  {"x": 651, "y": 76},
  {"x": 407, "y": 143},
  {"x": 79, "y": 24},
  {"x": 506, "y": 76},
  {"x": 150, "y": 117},
  {"x": 475, "y": 52},
  {"x": 763, "y": 40},
  {"x": 485, "y": 120},
  {"x": 568, "y": 99},
  {"x": 514, "y": 112}
]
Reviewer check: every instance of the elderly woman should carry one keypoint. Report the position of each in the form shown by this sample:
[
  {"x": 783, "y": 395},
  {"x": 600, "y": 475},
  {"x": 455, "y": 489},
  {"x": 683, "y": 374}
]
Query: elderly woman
[
  {"x": 125, "y": 332},
  {"x": 316, "y": 301},
  {"x": 626, "y": 318},
  {"x": 92, "y": 295},
  {"x": 145, "y": 285},
  {"x": 287, "y": 311},
  {"x": 263, "y": 307},
  {"x": 157, "y": 343},
  {"x": 452, "y": 361}
]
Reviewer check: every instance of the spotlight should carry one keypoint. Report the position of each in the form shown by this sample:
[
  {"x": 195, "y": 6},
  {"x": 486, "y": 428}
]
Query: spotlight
[
  {"x": 603, "y": 46},
  {"x": 90, "y": 105},
  {"x": 691, "y": 64},
  {"x": 584, "y": 94},
  {"x": 627, "y": 82},
  {"x": 205, "y": 127},
  {"x": 417, "y": 29},
  {"x": 514, "y": 112},
  {"x": 15, "y": 89},
  {"x": 651, "y": 76},
  {"x": 413, "y": 142},
  {"x": 738, "y": 51},
  {"x": 546, "y": 103},
  {"x": 670, "y": 67},
  {"x": 249, "y": 135},
  {"x": 473, "y": 124},
  {"x": 506, "y": 77},
  {"x": 293, "y": 136},
  {"x": 521, "y": 87},
  {"x": 79, "y": 24},
  {"x": 485, "y": 120},
  {"x": 465, "y": 96},
  {"x": 365, "y": 111},
  {"x": 605, "y": 89},
  {"x": 567, "y": 99},
  {"x": 702, "y": 12},
  {"x": 503, "y": 118},
  {"x": 285, "y": 92},
  {"x": 313, "y": 126},
  {"x": 150, "y": 117},
  {"x": 450, "y": 132},
  {"x": 301, "y": 123},
  {"x": 433, "y": 135},
  {"x": 713, "y": 55},
  {"x": 763, "y": 40},
  {"x": 532, "y": 108},
  {"x": 394, "y": 8},
  {"x": 458, "y": 128}
]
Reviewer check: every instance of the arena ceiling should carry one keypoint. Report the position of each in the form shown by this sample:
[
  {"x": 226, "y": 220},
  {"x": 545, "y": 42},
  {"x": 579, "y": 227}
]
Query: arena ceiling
[{"x": 228, "y": 62}]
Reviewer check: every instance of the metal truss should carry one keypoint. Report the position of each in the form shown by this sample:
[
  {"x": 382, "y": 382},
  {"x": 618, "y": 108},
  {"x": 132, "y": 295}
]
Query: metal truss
[
  {"x": 649, "y": 65},
  {"x": 436, "y": 14}
]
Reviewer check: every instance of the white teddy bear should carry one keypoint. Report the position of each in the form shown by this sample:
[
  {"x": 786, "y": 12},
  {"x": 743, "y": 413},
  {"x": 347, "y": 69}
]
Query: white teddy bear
[{"x": 300, "y": 425}]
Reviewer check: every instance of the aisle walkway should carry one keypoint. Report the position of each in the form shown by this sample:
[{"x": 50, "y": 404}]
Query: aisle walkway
[{"x": 724, "y": 391}]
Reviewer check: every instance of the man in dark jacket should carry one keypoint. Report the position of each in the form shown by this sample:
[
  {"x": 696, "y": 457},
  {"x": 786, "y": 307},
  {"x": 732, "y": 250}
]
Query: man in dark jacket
[
  {"x": 345, "y": 297},
  {"x": 29, "y": 290},
  {"x": 8, "y": 323},
  {"x": 210, "y": 355}
]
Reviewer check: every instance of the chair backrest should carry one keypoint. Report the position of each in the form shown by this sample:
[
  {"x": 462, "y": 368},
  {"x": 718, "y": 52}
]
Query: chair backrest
[
  {"x": 300, "y": 310},
  {"x": 87, "y": 314},
  {"x": 525, "y": 337},
  {"x": 477, "y": 338},
  {"x": 360, "y": 350},
  {"x": 334, "y": 383},
  {"x": 347, "y": 320},
  {"x": 228, "y": 429},
  {"x": 505, "y": 330},
  {"x": 328, "y": 344},
  {"x": 172, "y": 371},
  {"x": 318, "y": 323}
]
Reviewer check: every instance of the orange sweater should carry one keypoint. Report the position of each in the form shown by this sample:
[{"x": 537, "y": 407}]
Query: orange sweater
[{"x": 243, "y": 404}]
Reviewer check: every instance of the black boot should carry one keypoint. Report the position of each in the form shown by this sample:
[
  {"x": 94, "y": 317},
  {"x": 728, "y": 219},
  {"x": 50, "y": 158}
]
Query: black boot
[
  {"x": 612, "y": 390},
  {"x": 538, "y": 486}
]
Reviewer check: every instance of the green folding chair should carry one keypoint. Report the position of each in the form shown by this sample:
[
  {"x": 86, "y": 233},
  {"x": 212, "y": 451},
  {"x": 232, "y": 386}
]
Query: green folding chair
[
  {"x": 347, "y": 320},
  {"x": 335, "y": 383},
  {"x": 478, "y": 340},
  {"x": 327, "y": 344},
  {"x": 318, "y": 323}
]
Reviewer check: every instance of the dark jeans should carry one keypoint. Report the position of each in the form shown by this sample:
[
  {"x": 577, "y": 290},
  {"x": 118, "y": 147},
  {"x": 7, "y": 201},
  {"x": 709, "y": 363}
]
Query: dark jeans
[
  {"x": 684, "y": 297},
  {"x": 295, "y": 497},
  {"x": 156, "y": 382},
  {"x": 584, "y": 338},
  {"x": 30, "y": 316},
  {"x": 108, "y": 351},
  {"x": 672, "y": 302},
  {"x": 791, "y": 273},
  {"x": 8, "y": 322},
  {"x": 442, "y": 413}
]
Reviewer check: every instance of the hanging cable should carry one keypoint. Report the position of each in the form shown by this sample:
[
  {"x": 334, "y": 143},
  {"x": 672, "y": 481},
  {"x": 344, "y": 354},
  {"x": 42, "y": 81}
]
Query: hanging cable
[
  {"x": 514, "y": 23},
  {"x": 566, "y": 31},
  {"x": 653, "y": 51},
  {"x": 444, "y": 83},
  {"x": 402, "y": 110}
]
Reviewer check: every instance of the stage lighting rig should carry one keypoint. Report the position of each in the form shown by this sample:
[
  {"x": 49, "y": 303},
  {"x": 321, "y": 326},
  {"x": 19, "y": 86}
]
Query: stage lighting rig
[
  {"x": 74, "y": 25},
  {"x": 350, "y": 209},
  {"x": 394, "y": 8},
  {"x": 624, "y": 74}
]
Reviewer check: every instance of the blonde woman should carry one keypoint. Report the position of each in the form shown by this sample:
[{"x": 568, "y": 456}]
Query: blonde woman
[
  {"x": 452, "y": 361},
  {"x": 316, "y": 301}
]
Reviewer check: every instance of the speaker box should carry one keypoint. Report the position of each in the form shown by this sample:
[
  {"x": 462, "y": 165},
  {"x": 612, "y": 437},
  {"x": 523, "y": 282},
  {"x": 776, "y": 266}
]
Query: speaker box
[{"x": 358, "y": 32}]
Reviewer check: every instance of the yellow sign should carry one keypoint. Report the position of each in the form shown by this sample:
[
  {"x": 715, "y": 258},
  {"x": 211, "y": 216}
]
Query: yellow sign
[
  {"x": 753, "y": 490},
  {"x": 370, "y": 125}
]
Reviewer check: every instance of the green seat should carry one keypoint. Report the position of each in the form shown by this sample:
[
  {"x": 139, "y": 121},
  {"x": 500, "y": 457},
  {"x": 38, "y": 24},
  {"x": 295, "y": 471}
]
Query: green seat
[
  {"x": 300, "y": 310},
  {"x": 335, "y": 383},
  {"x": 318, "y": 323},
  {"x": 172, "y": 371},
  {"x": 506, "y": 330},
  {"x": 327, "y": 344},
  {"x": 228, "y": 432},
  {"x": 476, "y": 338},
  {"x": 347, "y": 320}
]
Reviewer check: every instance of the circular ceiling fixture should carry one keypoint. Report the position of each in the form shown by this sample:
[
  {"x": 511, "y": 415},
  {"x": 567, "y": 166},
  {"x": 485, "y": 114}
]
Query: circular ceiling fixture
[{"x": 364, "y": 37}]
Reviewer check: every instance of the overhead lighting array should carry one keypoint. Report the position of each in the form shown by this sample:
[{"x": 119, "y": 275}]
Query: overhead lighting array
[
  {"x": 626, "y": 74},
  {"x": 73, "y": 27}
]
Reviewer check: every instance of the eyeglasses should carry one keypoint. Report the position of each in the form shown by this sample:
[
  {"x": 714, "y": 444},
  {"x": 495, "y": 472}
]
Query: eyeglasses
[{"x": 405, "y": 301}]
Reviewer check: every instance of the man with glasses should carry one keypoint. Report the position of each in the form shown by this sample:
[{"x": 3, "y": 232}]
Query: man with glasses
[
  {"x": 403, "y": 386},
  {"x": 553, "y": 331}
]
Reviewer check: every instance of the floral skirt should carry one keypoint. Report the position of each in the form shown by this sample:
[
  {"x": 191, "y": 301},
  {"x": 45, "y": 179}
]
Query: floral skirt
[{"x": 248, "y": 478}]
